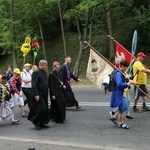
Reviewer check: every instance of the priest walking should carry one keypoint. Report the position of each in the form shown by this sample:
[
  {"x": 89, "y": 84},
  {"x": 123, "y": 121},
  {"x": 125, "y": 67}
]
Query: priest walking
[
  {"x": 39, "y": 111},
  {"x": 65, "y": 76}
]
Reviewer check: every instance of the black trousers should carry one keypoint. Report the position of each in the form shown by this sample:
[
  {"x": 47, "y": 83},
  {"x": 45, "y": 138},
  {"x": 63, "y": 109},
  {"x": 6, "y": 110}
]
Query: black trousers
[{"x": 27, "y": 93}]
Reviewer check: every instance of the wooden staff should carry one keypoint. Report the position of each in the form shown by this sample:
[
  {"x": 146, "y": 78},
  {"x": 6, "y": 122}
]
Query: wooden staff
[{"x": 96, "y": 51}]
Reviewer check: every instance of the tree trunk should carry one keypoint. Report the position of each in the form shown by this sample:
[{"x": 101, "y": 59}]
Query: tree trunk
[
  {"x": 78, "y": 61},
  {"x": 12, "y": 32},
  {"x": 62, "y": 29},
  {"x": 110, "y": 32},
  {"x": 80, "y": 53},
  {"x": 87, "y": 35}
]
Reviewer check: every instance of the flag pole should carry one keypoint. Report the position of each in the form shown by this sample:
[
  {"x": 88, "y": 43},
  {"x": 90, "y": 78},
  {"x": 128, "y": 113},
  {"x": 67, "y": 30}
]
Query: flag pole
[
  {"x": 124, "y": 49},
  {"x": 111, "y": 64},
  {"x": 121, "y": 46}
]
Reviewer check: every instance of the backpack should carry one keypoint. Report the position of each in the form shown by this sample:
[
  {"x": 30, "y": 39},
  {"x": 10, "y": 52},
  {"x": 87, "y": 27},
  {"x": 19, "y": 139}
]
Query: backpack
[
  {"x": 9, "y": 87},
  {"x": 130, "y": 71},
  {"x": 110, "y": 85}
]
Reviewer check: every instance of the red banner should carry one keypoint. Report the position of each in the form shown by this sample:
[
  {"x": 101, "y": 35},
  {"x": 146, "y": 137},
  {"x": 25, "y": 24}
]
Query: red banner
[{"x": 121, "y": 54}]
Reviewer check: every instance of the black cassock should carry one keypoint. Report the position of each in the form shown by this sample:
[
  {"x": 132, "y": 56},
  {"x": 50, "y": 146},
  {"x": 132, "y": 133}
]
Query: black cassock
[
  {"x": 57, "y": 109},
  {"x": 65, "y": 76},
  {"x": 39, "y": 112}
]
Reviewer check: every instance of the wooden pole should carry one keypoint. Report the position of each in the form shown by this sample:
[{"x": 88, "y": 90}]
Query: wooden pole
[
  {"x": 134, "y": 58},
  {"x": 96, "y": 51}
]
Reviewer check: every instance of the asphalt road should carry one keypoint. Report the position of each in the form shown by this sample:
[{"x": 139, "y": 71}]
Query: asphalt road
[{"x": 88, "y": 129}]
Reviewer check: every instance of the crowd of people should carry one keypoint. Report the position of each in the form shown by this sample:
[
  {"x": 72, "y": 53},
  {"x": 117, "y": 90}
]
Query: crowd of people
[
  {"x": 31, "y": 87},
  {"x": 35, "y": 85}
]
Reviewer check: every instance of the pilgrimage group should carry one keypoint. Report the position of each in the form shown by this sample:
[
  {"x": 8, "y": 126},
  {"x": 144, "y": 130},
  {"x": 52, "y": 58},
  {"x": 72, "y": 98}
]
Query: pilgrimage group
[{"x": 35, "y": 85}]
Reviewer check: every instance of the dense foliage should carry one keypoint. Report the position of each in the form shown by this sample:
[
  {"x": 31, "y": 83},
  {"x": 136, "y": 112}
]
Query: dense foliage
[{"x": 126, "y": 16}]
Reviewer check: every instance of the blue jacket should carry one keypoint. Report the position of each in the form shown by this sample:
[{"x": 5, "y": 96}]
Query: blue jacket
[{"x": 119, "y": 86}]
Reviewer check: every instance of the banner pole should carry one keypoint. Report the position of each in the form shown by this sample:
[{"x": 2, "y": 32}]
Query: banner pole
[
  {"x": 124, "y": 48},
  {"x": 114, "y": 67},
  {"x": 121, "y": 46}
]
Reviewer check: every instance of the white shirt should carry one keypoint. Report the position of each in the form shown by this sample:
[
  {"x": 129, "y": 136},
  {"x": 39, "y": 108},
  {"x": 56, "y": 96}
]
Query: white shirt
[{"x": 25, "y": 76}]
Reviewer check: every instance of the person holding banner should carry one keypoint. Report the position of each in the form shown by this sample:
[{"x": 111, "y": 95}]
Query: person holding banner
[
  {"x": 127, "y": 95},
  {"x": 118, "y": 97},
  {"x": 140, "y": 79}
]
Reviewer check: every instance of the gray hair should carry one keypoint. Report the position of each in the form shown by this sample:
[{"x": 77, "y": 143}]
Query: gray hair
[{"x": 42, "y": 62}]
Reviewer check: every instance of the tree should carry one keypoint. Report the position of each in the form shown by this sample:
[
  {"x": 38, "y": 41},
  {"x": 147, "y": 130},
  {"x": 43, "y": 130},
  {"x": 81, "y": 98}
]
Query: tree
[
  {"x": 13, "y": 34},
  {"x": 40, "y": 27},
  {"x": 84, "y": 18},
  {"x": 84, "y": 22}
]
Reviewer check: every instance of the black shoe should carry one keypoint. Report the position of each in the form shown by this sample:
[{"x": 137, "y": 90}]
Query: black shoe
[
  {"x": 135, "y": 110},
  {"x": 114, "y": 120},
  {"x": 124, "y": 126},
  {"x": 37, "y": 127},
  {"x": 43, "y": 126},
  {"x": 145, "y": 108},
  {"x": 24, "y": 116},
  {"x": 128, "y": 117},
  {"x": 59, "y": 121}
]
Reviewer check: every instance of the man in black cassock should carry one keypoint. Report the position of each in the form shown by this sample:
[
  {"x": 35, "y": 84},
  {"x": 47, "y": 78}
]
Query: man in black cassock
[
  {"x": 57, "y": 109},
  {"x": 39, "y": 112},
  {"x": 65, "y": 76}
]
